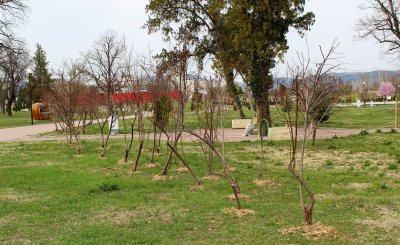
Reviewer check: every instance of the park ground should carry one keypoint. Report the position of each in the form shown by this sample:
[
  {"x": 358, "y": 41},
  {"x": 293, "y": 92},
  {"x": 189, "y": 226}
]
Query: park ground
[{"x": 48, "y": 196}]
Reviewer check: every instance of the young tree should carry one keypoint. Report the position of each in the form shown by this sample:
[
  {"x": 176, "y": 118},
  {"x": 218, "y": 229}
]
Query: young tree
[
  {"x": 41, "y": 77},
  {"x": 387, "y": 89},
  {"x": 14, "y": 62},
  {"x": 308, "y": 89},
  {"x": 66, "y": 97},
  {"x": 106, "y": 67}
]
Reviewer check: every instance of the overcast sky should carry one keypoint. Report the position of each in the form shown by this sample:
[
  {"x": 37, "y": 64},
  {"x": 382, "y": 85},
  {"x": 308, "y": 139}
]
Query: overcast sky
[{"x": 66, "y": 28}]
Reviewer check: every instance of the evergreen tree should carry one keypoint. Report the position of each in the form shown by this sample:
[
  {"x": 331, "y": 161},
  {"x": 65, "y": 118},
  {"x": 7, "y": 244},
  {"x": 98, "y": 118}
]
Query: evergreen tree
[{"x": 41, "y": 78}]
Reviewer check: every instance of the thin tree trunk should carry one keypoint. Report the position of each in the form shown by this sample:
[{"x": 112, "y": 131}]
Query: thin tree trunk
[
  {"x": 154, "y": 143},
  {"x": 138, "y": 156}
]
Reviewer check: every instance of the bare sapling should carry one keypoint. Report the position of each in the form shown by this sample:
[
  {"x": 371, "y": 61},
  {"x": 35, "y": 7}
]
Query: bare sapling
[
  {"x": 311, "y": 84},
  {"x": 106, "y": 67},
  {"x": 65, "y": 98}
]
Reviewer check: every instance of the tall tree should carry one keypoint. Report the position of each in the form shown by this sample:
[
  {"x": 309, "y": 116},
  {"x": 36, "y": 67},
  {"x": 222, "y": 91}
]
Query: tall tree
[
  {"x": 13, "y": 65},
  {"x": 201, "y": 22},
  {"x": 41, "y": 77},
  {"x": 259, "y": 36},
  {"x": 12, "y": 12},
  {"x": 106, "y": 66},
  {"x": 382, "y": 23}
]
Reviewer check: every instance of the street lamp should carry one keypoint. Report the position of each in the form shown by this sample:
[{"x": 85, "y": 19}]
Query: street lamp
[{"x": 29, "y": 72}]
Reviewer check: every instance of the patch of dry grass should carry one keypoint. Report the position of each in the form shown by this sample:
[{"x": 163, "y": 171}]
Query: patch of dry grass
[
  {"x": 151, "y": 165},
  {"x": 388, "y": 220},
  {"x": 183, "y": 170},
  {"x": 241, "y": 196},
  {"x": 197, "y": 188},
  {"x": 316, "y": 231},
  {"x": 238, "y": 212},
  {"x": 263, "y": 182},
  {"x": 358, "y": 186},
  {"x": 161, "y": 178},
  {"x": 122, "y": 217},
  {"x": 211, "y": 178},
  {"x": 11, "y": 195}
]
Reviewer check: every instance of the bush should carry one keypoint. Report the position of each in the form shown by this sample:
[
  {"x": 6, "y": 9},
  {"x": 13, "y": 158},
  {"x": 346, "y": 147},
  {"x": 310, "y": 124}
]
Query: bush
[
  {"x": 393, "y": 166},
  {"x": 393, "y": 131},
  {"x": 387, "y": 143},
  {"x": 109, "y": 187},
  {"x": 17, "y": 105},
  {"x": 364, "y": 132},
  {"x": 384, "y": 187},
  {"x": 378, "y": 131}
]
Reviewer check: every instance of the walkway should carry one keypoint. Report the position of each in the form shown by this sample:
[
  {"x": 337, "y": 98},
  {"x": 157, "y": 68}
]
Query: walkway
[{"x": 32, "y": 133}]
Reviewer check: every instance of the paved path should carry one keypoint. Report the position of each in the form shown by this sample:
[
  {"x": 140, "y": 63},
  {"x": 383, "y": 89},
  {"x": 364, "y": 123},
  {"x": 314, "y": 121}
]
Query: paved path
[{"x": 30, "y": 134}]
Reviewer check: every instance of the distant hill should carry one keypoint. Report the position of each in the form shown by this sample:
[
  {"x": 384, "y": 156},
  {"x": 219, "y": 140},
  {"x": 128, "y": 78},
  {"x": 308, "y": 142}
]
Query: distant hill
[{"x": 356, "y": 78}]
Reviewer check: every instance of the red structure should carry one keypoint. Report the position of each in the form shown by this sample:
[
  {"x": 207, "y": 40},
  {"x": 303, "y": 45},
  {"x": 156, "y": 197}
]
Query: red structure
[{"x": 142, "y": 97}]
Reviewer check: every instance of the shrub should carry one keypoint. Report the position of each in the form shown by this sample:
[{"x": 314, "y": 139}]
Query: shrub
[
  {"x": 364, "y": 132},
  {"x": 384, "y": 187},
  {"x": 378, "y": 131},
  {"x": 109, "y": 187},
  {"x": 367, "y": 163},
  {"x": 393, "y": 131},
  {"x": 335, "y": 137},
  {"x": 393, "y": 166},
  {"x": 329, "y": 163},
  {"x": 333, "y": 147}
]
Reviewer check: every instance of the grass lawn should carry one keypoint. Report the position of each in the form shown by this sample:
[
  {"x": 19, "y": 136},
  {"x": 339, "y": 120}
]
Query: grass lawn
[
  {"x": 49, "y": 197},
  {"x": 363, "y": 117},
  {"x": 19, "y": 118}
]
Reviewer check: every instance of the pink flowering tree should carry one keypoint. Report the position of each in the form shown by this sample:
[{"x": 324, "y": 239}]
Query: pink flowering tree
[{"x": 387, "y": 89}]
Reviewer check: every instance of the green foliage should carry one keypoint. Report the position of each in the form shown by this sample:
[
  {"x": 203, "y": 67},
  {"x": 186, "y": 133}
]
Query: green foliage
[
  {"x": 393, "y": 166},
  {"x": 41, "y": 77},
  {"x": 242, "y": 35},
  {"x": 18, "y": 106},
  {"x": 109, "y": 187},
  {"x": 364, "y": 132},
  {"x": 393, "y": 131},
  {"x": 162, "y": 110}
]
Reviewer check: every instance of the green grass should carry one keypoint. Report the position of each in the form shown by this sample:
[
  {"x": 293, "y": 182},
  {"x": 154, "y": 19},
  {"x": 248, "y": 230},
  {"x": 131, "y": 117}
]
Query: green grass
[
  {"x": 363, "y": 117},
  {"x": 49, "y": 197},
  {"x": 342, "y": 117},
  {"x": 20, "y": 118}
]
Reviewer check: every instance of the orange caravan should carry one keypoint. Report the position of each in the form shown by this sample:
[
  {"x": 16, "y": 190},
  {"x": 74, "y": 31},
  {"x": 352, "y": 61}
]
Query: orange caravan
[{"x": 40, "y": 111}]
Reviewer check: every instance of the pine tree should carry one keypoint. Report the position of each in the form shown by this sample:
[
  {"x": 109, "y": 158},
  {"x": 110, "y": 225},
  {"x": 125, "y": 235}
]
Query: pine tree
[{"x": 41, "y": 78}]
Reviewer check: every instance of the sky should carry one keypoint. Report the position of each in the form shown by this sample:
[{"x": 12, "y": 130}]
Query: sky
[{"x": 67, "y": 28}]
